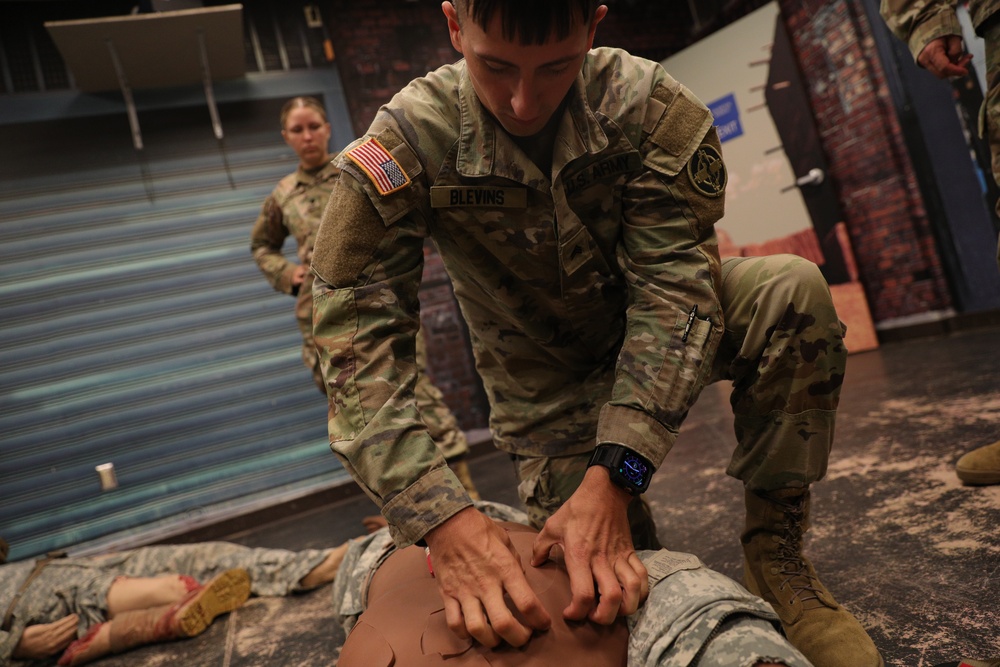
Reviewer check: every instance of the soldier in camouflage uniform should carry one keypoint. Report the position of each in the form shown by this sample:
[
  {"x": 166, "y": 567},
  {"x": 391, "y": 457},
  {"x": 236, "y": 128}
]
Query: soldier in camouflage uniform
[
  {"x": 47, "y": 603},
  {"x": 294, "y": 209},
  {"x": 572, "y": 195},
  {"x": 694, "y": 617},
  {"x": 932, "y": 31}
]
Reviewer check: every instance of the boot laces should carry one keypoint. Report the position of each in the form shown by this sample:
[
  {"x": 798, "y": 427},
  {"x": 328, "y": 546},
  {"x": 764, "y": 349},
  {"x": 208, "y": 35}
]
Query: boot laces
[{"x": 798, "y": 576}]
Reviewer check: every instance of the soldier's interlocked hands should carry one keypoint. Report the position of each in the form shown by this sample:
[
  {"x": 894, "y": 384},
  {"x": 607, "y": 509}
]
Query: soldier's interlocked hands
[{"x": 475, "y": 564}]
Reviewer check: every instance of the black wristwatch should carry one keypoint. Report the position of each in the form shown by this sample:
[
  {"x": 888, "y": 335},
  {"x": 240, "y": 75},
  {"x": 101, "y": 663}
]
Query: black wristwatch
[{"x": 628, "y": 470}]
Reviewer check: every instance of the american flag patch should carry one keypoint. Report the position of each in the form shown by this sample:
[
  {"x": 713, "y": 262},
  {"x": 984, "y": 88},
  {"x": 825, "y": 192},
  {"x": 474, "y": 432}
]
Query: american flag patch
[{"x": 380, "y": 166}]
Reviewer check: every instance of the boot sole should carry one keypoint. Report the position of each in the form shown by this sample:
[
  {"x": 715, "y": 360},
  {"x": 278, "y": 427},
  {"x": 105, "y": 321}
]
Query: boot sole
[
  {"x": 223, "y": 594},
  {"x": 979, "y": 477}
]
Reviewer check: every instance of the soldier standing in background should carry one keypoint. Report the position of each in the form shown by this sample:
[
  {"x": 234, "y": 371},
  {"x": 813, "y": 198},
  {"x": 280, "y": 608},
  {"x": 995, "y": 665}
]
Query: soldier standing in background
[
  {"x": 571, "y": 194},
  {"x": 294, "y": 209},
  {"x": 934, "y": 35}
]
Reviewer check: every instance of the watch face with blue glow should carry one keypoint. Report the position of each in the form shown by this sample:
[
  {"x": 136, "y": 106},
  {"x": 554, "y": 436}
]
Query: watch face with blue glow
[{"x": 634, "y": 470}]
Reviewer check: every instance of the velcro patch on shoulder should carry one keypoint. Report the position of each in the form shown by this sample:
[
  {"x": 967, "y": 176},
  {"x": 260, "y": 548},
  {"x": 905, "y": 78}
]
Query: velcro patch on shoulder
[
  {"x": 379, "y": 165},
  {"x": 679, "y": 129},
  {"x": 348, "y": 235}
]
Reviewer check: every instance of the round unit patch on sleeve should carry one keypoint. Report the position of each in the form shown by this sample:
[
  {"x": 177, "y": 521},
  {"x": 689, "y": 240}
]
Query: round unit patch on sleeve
[{"x": 707, "y": 171}]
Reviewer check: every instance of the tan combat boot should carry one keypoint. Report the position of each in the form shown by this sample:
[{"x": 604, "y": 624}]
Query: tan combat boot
[
  {"x": 980, "y": 466},
  {"x": 776, "y": 570}
]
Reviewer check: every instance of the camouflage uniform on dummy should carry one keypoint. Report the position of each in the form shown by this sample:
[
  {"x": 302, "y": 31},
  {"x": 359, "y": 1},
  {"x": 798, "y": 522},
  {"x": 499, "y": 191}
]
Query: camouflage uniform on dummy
[
  {"x": 597, "y": 307},
  {"x": 693, "y": 617},
  {"x": 80, "y": 585},
  {"x": 294, "y": 209}
]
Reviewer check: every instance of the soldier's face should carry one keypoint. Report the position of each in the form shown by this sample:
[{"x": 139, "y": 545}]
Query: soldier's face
[
  {"x": 520, "y": 85},
  {"x": 308, "y": 135}
]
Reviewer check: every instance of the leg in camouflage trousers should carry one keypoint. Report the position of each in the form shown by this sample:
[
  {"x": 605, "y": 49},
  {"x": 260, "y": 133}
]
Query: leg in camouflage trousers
[{"x": 784, "y": 352}]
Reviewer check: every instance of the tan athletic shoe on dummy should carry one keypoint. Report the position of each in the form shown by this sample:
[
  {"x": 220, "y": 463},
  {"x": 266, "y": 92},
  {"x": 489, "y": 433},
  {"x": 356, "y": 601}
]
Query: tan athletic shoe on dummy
[
  {"x": 980, "y": 466},
  {"x": 222, "y": 594},
  {"x": 776, "y": 570}
]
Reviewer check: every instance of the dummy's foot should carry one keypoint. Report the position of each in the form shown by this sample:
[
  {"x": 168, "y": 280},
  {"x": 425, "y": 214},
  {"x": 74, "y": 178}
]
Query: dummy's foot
[
  {"x": 326, "y": 571},
  {"x": 374, "y": 522},
  {"x": 980, "y": 466},
  {"x": 222, "y": 594},
  {"x": 775, "y": 569}
]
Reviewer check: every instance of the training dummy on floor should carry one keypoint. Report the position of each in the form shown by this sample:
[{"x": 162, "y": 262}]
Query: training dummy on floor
[{"x": 387, "y": 601}]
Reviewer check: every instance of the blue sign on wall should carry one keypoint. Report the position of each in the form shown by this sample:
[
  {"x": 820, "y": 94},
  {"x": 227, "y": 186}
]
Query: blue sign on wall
[{"x": 727, "y": 117}]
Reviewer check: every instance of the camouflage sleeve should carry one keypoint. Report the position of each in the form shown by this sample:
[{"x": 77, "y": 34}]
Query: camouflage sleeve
[
  {"x": 670, "y": 258},
  {"x": 368, "y": 260},
  {"x": 919, "y": 22},
  {"x": 266, "y": 239}
]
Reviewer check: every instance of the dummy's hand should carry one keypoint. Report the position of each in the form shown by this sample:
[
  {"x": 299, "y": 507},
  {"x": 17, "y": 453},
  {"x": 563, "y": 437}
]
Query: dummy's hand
[
  {"x": 46, "y": 639},
  {"x": 299, "y": 276},
  {"x": 475, "y": 563},
  {"x": 592, "y": 529},
  {"x": 945, "y": 57}
]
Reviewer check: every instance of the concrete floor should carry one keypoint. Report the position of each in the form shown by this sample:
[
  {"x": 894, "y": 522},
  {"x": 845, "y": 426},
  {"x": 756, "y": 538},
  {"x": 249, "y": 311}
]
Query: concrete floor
[{"x": 897, "y": 538}]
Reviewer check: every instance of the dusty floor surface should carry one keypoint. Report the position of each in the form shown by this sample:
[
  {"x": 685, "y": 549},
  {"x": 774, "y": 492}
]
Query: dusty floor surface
[{"x": 897, "y": 538}]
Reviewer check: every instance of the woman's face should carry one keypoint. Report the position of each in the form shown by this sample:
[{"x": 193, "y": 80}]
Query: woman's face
[{"x": 308, "y": 135}]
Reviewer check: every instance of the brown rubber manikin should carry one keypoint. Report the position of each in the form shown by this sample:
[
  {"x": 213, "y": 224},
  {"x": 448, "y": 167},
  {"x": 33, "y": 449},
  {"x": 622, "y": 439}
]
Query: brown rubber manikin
[{"x": 404, "y": 624}]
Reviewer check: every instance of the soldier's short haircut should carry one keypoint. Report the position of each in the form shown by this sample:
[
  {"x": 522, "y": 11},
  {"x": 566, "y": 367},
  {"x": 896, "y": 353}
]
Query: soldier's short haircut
[{"x": 529, "y": 21}]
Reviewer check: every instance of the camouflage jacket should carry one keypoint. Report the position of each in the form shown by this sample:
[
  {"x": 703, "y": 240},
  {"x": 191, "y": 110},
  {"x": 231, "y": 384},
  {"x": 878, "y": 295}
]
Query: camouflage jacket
[
  {"x": 919, "y": 22},
  {"x": 294, "y": 208},
  {"x": 590, "y": 292}
]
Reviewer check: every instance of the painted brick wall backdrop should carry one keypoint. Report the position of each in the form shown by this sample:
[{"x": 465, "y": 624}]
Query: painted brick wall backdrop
[{"x": 895, "y": 249}]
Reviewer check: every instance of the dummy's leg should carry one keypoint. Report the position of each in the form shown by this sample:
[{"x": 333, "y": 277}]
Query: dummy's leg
[
  {"x": 326, "y": 571},
  {"x": 545, "y": 483},
  {"x": 784, "y": 346},
  {"x": 132, "y": 593},
  {"x": 187, "y": 617},
  {"x": 272, "y": 571},
  {"x": 696, "y": 617}
]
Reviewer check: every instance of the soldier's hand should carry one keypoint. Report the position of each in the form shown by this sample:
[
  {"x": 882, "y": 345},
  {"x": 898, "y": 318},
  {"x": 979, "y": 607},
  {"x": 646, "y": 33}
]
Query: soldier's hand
[
  {"x": 45, "y": 639},
  {"x": 945, "y": 57},
  {"x": 475, "y": 563},
  {"x": 299, "y": 275},
  {"x": 592, "y": 529}
]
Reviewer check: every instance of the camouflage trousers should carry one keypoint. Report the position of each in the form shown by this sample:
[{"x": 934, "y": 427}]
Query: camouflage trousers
[
  {"x": 783, "y": 350},
  {"x": 989, "y": 117},
  {"x": 80, "y": 585},
  {"x": 694, "y": 616}
]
